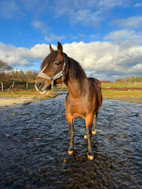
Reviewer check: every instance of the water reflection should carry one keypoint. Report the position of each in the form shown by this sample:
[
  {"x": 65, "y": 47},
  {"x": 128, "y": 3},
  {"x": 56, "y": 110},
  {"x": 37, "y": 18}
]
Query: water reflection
[{"x": 35, "y": 139}]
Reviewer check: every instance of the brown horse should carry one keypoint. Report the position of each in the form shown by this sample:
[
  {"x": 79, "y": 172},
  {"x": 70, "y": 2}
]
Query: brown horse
[{"x": 84, "y": 96}]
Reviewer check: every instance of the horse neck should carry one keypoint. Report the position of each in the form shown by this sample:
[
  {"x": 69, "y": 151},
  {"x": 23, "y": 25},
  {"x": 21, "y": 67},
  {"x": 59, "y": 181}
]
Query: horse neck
[{"x": 76, "y": 86}]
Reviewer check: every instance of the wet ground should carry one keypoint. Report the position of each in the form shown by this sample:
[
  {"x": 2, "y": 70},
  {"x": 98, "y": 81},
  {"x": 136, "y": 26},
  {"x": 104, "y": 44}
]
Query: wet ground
[{"x": 34, "y": 141}]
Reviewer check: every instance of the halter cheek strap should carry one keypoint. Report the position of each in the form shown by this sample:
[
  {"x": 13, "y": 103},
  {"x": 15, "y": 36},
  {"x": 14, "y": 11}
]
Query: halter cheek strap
[{"x": 52, "y": 79}]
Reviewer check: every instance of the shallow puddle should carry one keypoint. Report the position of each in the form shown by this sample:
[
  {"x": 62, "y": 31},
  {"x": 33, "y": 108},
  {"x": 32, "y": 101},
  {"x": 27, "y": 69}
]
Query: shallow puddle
[{"x": 34, "y": 140}]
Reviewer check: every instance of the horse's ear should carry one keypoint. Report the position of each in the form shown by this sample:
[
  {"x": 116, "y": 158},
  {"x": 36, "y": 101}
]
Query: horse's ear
[
  {"x": 60, "y": 48},
  {"x": 51, "y": 49}
]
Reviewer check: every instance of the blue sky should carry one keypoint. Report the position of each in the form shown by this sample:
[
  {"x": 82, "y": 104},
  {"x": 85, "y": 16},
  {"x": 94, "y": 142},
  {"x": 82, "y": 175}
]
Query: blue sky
[{"x": 104, "y": 36}]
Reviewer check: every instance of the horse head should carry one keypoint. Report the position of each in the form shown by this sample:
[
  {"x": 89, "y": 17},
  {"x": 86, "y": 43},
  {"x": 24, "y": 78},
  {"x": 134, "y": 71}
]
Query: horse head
[{"x": 52, "y": 70}]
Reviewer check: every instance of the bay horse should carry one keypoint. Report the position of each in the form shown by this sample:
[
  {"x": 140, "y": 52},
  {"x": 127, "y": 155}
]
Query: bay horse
[{"x": 84, "y": 96}]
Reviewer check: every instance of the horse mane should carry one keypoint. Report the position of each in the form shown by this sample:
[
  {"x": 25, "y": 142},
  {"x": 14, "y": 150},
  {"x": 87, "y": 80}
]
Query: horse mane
[
  {"x": 75, "y": 70},
  {"x": 49, "y": 59}
]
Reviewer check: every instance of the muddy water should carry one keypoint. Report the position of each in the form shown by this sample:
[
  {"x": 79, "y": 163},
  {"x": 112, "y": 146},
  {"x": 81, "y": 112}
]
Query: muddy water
[{"x": 34, "y": 140}]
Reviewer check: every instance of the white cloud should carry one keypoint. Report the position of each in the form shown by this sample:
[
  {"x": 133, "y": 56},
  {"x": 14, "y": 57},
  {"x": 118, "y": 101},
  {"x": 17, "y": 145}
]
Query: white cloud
[
  {"x": 87, "y": 13},
  {"x": 69, "y": 7},
  {"x": 107, "y": 57},
  {"x": 104, "y": 59},
  {"x": 15, "y": 8},
  {"x": 49, "y": 37},
  {"x": 125, "y": 37},
  {"x": 136, "y": 68},
  {"x": 22, "y": 56},
  {"x": 52, "y": 37},
  {"x": 40, "y": 25},
  {"x": 78, "y": 11},
  {"x": 138, "y": 5},
  {"x": 9, "y": 9},
  {"x": 32, "y": 4},
  {"x": 39, "y": 51},
  {"x": 131, "y": 22}
]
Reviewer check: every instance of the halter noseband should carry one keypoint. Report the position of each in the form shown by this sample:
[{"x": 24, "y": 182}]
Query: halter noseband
[{"x": 52, "y": 79}]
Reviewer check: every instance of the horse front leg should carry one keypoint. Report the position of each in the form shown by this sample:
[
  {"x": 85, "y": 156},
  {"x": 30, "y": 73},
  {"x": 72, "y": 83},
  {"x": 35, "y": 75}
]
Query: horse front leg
[
  {"x": 89, "y": 120},
  {"x": 71, "y": 133}
]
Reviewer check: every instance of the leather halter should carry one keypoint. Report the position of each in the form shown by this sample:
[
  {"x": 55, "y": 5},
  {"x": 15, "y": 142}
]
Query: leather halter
[{"x": 52, "y": 79}]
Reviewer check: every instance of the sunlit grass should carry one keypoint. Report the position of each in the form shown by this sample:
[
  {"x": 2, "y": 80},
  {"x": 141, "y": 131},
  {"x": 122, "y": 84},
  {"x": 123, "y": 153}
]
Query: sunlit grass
[
  {"x": 114, "y": 93},
  {"x": 121, "y": 85},
  {"x": 130, "y": 96},
  {"x": 28, "y": 93}
]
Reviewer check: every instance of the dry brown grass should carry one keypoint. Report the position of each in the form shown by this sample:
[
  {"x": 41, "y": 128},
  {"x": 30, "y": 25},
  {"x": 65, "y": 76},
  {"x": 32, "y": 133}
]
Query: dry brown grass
[{"x": 131, "y": 96}]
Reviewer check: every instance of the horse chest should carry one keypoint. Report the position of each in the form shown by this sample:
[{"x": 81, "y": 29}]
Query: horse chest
[{"x": 76, "y": 107}]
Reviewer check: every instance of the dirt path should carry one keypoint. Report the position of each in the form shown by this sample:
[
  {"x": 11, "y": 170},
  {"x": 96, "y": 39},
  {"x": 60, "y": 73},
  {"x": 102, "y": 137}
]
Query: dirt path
[
  {"x": 11, "y": 101},
  {"x": 24, "y": 99}
]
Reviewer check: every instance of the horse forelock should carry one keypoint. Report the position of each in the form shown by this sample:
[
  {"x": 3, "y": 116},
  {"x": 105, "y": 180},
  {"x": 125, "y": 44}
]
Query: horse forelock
[{"x": 49, "y": 59}]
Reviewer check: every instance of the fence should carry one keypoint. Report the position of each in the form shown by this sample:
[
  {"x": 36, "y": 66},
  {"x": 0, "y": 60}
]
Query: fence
[{"x": 14, "y": 85}]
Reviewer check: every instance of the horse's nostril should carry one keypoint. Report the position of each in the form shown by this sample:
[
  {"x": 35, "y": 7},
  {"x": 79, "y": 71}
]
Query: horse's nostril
[{"x": 39, "y": 85}]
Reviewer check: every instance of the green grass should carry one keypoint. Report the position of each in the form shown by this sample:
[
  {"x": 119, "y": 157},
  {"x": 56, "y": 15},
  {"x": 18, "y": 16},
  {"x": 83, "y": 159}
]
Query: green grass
[
  {"x": 130, "y": 96},
  {"x": 113, "y": 93},
  {"x": 121, "y": 85},
  {"x": 28, "y": 93}
]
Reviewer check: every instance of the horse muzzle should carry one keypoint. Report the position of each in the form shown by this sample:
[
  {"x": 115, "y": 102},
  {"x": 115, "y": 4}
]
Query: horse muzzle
[{"x": 42, "y": 87}]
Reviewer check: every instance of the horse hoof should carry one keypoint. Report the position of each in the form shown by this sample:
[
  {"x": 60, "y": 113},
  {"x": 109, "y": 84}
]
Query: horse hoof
[
  {"x": 70, "y": 152},
  {"x": 85, "y": 137},
  {"x": 93, "y": 132},
  {"x": 90, "y": 156}
]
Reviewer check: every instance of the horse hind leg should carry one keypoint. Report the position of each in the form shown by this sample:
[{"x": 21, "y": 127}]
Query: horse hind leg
[
  {"x": 94, "y": 123},
  {"x": 94, "y": 126},
  {"x": 85, "y": 135},
  {"x": 71, "y": 133}
]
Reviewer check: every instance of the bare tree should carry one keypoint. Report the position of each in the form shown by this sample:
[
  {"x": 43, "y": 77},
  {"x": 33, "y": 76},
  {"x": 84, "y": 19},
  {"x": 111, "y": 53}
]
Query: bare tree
[
  {"x": 4, "y": 67},
  {"x": 12, "y": 86}
]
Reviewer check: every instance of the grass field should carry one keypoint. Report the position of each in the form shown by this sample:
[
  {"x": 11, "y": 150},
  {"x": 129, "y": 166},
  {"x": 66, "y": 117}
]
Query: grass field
[
  {"x": 120, "y": 91},
  {"x": 131, "y": 92},
  {"x": 131, "y": 96},
  {"x": 122, "y": 85},
  {"x": 28, "y": 93}
]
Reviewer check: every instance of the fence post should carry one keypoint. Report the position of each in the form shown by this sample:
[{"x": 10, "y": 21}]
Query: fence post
[
  {"x": 27, "y": 85},
  {"x": 13, "y": 85},
  {"x": 1, "y": 86}
]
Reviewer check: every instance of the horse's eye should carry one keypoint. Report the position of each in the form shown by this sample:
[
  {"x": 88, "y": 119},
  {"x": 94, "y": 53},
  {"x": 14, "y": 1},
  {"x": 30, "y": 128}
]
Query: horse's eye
[{"x": 58, "y": 62}]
